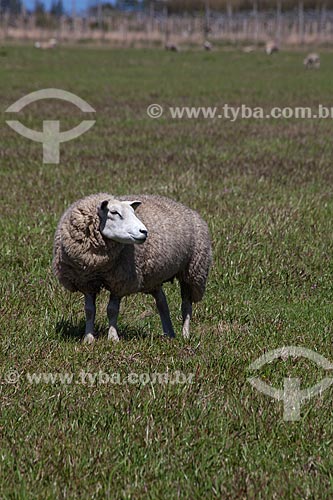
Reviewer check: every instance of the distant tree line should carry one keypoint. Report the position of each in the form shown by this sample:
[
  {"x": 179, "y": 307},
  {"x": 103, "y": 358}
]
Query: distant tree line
[
  {"x": 11, "y": 6},
  {"x": 100, "y": 8},
  {"x": 16, "y": 7},
  {"x": 237, "y": 5},
  {"x": 188, "y": 6}
]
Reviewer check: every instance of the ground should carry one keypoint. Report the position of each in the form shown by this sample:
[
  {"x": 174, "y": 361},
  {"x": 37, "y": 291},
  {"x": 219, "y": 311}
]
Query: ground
[{"x": 265, "y": 189}]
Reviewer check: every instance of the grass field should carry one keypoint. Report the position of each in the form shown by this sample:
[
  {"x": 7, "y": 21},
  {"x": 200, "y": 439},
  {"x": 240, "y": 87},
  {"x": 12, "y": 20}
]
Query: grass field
[{"x": 265, "y": 189}]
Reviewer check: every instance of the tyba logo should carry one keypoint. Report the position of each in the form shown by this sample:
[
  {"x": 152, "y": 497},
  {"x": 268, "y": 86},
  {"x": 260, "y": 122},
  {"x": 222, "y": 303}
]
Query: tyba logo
[
  {"x": 50, "y": 137},
  {"x": 292, "y": 395}
]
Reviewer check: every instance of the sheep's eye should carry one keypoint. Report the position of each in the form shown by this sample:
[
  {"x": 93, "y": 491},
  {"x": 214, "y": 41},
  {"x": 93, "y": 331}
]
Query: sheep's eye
[{"x": 114, "y": 212}]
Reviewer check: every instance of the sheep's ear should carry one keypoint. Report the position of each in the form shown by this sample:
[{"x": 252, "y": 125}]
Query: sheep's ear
[
  {"x": 134, "y": 204},
  {"x": 104, "y": 205},
  {"x": 102, "y": 209}
]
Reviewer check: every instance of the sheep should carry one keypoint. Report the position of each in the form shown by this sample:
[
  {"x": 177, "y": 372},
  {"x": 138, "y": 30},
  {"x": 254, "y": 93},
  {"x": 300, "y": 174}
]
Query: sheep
[
  {"x": 312, "y": 61},
  {"x": 172, "y": 47},
  {"x": 207, "y": 45},
  {"x": 129, "y": 245},
  {"x": 271, "y": 47},
  {"x": 51, "y": 44}
]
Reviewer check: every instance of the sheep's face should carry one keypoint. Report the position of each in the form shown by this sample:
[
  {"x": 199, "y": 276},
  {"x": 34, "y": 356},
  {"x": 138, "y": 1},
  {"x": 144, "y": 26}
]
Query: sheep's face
[{"x": 119, "y": 222}]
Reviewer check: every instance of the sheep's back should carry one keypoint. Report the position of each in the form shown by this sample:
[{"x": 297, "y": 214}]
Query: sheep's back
[{"x": 173, "y": 234}]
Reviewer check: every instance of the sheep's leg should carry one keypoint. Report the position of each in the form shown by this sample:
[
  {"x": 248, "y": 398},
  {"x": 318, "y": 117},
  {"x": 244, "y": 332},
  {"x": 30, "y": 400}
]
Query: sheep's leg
[
  {"x": 90, "y": 310},
  {"x": 163, "y": 309},
  {"x": 113, "y": 311},
  {"x": 186, "y": 309}
]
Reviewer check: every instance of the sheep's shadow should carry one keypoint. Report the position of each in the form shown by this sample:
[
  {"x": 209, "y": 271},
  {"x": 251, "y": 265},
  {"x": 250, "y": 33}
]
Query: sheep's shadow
[
  {"x": 128, "y": 333},
  {"x": 69, "y": 330},
  {"x": 75, "y": 331}
]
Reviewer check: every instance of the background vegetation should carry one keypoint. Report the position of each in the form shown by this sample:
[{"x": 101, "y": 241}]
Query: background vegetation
[{"x": 265, "y": 189}]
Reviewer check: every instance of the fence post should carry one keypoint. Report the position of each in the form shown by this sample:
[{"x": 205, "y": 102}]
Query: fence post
[{"x": 301, "y": 22}]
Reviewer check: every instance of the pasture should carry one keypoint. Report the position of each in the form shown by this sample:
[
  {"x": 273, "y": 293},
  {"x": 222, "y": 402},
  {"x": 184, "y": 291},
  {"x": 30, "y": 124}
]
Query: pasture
[{"x": 265, "y": 189}]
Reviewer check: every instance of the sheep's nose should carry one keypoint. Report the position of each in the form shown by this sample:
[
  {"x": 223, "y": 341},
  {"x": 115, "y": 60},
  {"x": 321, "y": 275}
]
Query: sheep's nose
[{"x": 144, "y": 232}]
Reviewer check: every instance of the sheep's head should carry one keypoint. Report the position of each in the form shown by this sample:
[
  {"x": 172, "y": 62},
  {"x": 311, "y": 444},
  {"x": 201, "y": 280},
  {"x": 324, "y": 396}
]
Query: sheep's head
[{"x": 119, "y": 222}]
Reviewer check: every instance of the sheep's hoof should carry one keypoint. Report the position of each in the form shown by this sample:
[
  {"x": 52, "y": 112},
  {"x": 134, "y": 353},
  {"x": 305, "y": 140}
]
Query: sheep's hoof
[
  {"x": 88, "y": 338},
  {"x": 113, "y": 335},
  {"x": 168, "y": 335},
  {"x": 186, "y": 333}
]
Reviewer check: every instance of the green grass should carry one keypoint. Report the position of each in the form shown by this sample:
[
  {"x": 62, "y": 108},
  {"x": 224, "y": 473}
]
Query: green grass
[{"x": 265, "y": 189}]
